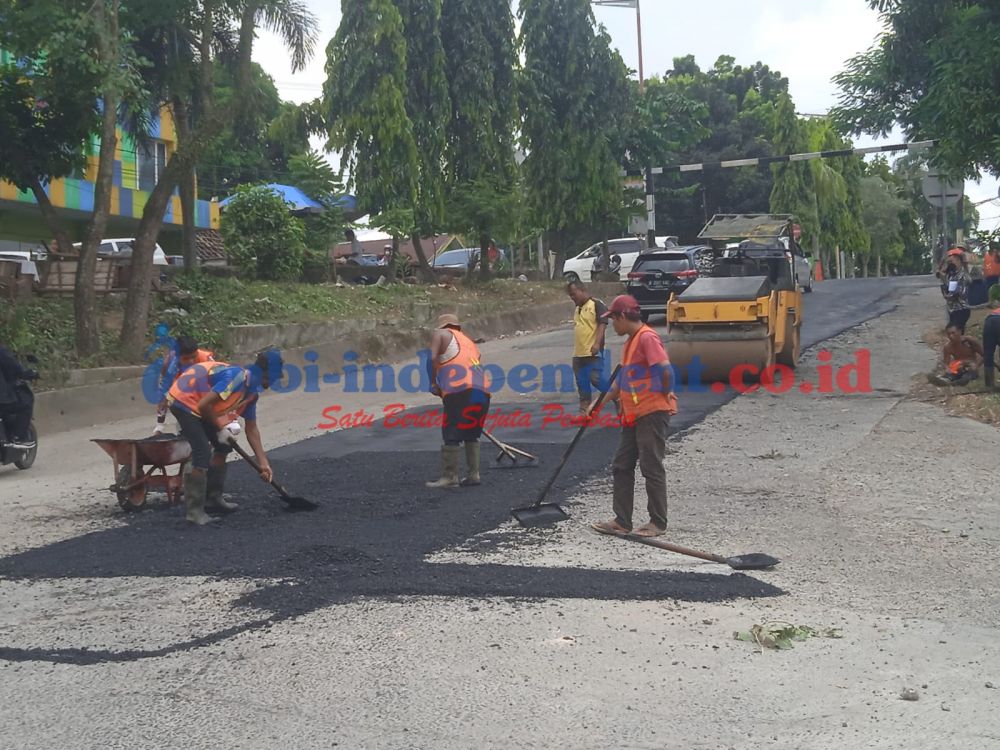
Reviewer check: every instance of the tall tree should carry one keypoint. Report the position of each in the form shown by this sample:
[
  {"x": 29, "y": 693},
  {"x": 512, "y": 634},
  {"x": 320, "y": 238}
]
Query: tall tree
[
  {"x": 570, "y": 171},
  {"x": 932, "y": 71},
  {"x": 428, "y": 105},
  {"x": 882, "y": 209},
  {"x": 79, "y": 70},
  {"x": 364, "y": 104},
  {"x": 734, "y": 120},
  {"x": 209, "y": 21},
  {"x": 480, "y": 56}
]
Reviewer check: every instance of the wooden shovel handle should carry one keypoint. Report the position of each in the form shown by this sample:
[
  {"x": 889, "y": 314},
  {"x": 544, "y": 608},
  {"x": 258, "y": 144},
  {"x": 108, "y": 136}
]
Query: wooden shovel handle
[{"x": 670, "y": 547}]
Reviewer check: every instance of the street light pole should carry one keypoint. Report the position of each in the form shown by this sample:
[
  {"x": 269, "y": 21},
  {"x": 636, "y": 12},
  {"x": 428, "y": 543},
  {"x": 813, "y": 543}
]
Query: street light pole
[{"x": 650, "y": 187}]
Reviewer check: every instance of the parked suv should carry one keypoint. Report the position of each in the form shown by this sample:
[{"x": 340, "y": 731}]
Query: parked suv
[{"x": 659, "y": 273}]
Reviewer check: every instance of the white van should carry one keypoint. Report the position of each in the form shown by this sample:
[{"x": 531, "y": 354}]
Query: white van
[{"x": 121, "y": 249}]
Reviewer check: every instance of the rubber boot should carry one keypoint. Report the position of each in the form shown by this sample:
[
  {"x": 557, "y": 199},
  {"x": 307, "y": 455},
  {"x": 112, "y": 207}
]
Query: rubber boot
[
  {"x": 214, "y": 500},
  {"x": 449, "y": 467},
  {"x": 194, "y": 496},
  {"x": 472, "y": 462}
]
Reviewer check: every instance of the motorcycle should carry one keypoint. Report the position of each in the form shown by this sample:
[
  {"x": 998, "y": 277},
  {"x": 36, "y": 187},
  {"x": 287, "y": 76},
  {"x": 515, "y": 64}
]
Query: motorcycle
[{"x": 21, "y": 458}]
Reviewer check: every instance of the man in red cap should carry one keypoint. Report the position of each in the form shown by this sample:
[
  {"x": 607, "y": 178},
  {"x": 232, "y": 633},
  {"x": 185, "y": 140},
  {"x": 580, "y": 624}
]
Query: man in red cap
[{"x": 646, "y": 402}]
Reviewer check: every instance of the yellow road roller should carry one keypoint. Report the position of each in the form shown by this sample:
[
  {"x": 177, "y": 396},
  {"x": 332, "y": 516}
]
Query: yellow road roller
[{"x": 743, "y": 314}]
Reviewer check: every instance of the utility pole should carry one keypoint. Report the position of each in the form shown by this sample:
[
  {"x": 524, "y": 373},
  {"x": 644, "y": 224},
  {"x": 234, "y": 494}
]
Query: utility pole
[{"x": 650, "y": 187}]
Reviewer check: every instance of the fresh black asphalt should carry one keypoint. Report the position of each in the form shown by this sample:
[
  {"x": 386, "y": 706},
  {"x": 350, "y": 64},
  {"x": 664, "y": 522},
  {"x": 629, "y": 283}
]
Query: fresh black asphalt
[{"x": 377, "y": 523}]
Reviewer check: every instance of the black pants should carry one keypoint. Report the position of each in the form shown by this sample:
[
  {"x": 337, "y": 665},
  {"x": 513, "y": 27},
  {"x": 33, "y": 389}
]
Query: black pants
[
  {"x": 959, "y": 318},
  {"x": 16, "y": 420},
  {"x": 991, "y": 340},
  {"x": 202, "y": 438},
  {"x": 463, "y": 416}
]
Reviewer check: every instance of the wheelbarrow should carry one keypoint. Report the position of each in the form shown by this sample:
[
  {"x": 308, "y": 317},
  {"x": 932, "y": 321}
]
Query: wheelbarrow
[{"x": 133, "y": 480}]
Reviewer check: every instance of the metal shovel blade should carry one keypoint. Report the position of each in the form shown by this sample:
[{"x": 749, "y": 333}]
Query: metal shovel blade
[
  {"x": 539, "y": 515},
  {"x": 752, "y": 561},
  {"x": 298, "y": 503},
  {"x": 515, "y": 463}
]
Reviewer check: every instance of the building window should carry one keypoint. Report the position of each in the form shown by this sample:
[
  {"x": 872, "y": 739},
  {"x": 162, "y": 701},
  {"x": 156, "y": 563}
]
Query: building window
[{"x": 152, "y": 160}]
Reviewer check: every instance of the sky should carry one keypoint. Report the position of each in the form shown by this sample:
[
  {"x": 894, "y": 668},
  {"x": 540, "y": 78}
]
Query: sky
[{"x": 807, "y": 41}]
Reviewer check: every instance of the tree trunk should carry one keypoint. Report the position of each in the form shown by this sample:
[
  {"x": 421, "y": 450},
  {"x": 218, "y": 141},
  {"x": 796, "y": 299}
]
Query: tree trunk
[
  {"x": 88, "y": 336},
  {"x": 185, "y": 157},
  {"x": 878, "y": 264},
  {"x": 423, "y": 267},
  {"x": 189, "y": 246}
]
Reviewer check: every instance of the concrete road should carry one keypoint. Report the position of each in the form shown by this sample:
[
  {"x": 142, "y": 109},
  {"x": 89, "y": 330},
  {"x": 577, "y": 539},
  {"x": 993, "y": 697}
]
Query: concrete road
[{"x": 397, "y": 616}]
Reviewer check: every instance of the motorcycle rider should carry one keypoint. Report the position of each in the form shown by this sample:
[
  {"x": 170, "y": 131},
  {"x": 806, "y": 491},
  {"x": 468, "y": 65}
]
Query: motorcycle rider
[{"x": 14, "y": 410}]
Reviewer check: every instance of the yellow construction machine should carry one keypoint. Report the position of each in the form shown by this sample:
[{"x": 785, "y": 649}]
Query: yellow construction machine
[{"x": 745, "y": 309}]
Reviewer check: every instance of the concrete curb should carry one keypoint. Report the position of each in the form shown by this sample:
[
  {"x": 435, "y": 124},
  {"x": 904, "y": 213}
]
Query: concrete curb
[{"x": 88, "y": 405}]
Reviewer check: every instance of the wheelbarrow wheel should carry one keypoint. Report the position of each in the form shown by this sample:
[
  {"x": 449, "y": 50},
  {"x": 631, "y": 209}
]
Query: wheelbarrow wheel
[{"x": 130, "y": 500}]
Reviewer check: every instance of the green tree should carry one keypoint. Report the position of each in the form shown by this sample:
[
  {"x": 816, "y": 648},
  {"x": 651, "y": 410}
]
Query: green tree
[
  {"x": 882, "y": 209},
  {"x": 726, "y": 112},
  {"x": 75, "y": 70},
  {"x": 261, "y": 236},
  {"x": 428, "y": 105},
  {"x": 312, "y": 174},
  {"x": 932, "y": 71},
  {"x": 186, "y": 81},
  {"x": 570, "y": 170},
  {"x": 480, "y": 56},
  {"x": 364, "y": 104}
]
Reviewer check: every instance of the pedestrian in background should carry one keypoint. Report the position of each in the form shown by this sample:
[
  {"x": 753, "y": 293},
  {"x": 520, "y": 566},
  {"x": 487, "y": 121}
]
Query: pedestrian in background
[
  {"x": 589, "y": 325},
  {"x": 956, "y": 288}
]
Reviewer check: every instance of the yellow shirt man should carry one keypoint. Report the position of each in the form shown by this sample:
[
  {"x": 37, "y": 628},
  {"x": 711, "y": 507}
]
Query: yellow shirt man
[{"x": 588, "y": 341}]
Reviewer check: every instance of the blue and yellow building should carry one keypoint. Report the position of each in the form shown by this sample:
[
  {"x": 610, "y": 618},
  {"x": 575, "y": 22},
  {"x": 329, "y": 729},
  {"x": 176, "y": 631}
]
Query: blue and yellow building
[{"x": 138, "y": 165}]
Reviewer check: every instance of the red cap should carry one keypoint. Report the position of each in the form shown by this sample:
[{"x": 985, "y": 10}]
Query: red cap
[
  {"x": 956, "y": 251},
  {"x": 623, "y": 303}
]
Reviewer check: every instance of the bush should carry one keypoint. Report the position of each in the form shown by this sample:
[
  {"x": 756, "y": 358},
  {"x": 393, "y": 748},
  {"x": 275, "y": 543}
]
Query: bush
[{"x": 262, "y": 237}]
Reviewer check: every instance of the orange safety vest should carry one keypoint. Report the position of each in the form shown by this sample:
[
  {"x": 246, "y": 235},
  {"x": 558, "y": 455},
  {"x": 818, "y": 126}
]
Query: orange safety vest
[
  {"x": 464, "y": 371},
  {"x": 201, "y": 356},
  {"x": 193, "y": 385},
  {"x": 990, "y": 265},
  {"x": 639, "y": 396}
]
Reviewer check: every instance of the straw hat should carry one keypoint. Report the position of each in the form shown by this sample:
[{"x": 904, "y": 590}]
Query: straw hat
[{"x": 448, "y": 320}]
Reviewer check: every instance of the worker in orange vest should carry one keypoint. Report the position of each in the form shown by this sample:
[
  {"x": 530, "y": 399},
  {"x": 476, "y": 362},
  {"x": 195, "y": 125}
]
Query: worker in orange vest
[
  {"x": 181, "y": 356},
  {"x": 991, "y": 265},
  {"x": 457, "y": 376},
  {"x": 646, "y": 402},
  {"x": 207, "y": 400}
]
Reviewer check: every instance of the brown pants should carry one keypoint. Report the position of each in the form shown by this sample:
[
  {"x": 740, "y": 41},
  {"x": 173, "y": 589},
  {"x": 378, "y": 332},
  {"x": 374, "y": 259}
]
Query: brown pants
[{"x": 644, "y": 442}]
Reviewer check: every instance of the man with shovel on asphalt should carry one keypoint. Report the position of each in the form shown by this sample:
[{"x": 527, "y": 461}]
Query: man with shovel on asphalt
[
  {"x": 646, "y": 402},
  {"x": 457, "y": 376},
  {"x": 207, "y": 401}
]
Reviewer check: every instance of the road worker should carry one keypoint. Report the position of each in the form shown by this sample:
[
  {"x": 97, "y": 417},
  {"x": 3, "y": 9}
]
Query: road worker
[
  {"x": 961, "y": 358},
  {"x": 207, "y": 401},
  {"x": 646, "y": 401},
  {"x": 181, "y": 356},
  {"x": 589, "y": 325},
  {"x": 457, "y": 376}
]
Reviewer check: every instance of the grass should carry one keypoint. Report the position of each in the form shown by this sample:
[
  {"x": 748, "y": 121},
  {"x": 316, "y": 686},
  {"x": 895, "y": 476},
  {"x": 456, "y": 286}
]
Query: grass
[{"x": 206, "y": 306}]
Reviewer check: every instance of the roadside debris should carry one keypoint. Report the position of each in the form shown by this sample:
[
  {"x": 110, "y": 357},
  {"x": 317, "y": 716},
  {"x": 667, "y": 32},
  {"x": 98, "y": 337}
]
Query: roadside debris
[
  {"x": 909, "y": 694},
  {"x": 780, "y": 635}
]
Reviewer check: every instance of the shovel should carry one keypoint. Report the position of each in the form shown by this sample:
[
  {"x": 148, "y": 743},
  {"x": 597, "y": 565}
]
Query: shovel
[
  {"x": 294, "y": 503},
  {"x": 751, "y": 561},
  {"x": 541, "y": 514}
]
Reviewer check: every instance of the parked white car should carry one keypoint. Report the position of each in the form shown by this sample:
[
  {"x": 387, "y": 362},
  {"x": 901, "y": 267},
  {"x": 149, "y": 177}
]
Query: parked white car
[
  {"x": 580, "y": 267},
  {"x": 121, "y": 249}
]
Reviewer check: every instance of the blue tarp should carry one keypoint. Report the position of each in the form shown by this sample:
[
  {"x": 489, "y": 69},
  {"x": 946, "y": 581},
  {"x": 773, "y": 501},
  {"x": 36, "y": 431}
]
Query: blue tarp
[{"x": 300, "y": 201}]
